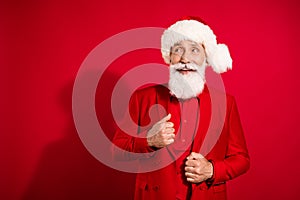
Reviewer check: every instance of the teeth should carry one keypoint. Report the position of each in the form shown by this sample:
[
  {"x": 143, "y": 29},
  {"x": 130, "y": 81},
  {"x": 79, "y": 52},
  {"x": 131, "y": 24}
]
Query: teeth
[{"x": 186, "y": 69}]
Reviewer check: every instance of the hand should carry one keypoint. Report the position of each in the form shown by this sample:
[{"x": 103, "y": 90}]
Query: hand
[
  {"x": 198, "y": 168},
  {"x": 162, "y": 133}
]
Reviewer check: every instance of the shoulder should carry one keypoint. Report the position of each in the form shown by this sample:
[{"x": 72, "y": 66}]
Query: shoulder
[{"x": 218, "y": 95}]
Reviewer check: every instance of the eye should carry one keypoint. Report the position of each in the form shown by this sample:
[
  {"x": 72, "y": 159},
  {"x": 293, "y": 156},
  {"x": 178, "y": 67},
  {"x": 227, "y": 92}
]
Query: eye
[
  {"x": 178, "y": 50},
  {"x": 195, "y": 50}
]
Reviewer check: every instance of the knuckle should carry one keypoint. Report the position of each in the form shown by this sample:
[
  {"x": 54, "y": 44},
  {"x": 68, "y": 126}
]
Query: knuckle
[{"x": 188, "y": 163}]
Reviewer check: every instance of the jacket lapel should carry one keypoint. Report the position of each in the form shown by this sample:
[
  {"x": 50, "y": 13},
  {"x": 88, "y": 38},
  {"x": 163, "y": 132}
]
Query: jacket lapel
[{"x": 204, "y": 120}]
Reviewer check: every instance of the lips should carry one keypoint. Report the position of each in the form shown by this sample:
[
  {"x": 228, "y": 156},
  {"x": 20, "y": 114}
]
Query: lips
[{"x": 185, "y": 70}]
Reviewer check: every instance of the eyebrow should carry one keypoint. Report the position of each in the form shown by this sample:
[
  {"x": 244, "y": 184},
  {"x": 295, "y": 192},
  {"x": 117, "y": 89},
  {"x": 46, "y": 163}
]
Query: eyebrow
[
  {"x": 192, "y": 45},
  {"x": 177, "y": 44},
  {"x": 195, "y": 45}
]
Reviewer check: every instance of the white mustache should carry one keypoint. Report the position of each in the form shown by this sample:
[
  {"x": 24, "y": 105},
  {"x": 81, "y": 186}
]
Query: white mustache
[{"x": 186, "y": 66}]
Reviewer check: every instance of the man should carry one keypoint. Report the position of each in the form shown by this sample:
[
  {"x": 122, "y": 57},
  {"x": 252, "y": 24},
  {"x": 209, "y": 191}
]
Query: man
[{"x": 193, "y": 115}]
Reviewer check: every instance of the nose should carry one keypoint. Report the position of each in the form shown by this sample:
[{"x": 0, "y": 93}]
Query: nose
[{"x": 184, "y": 58}]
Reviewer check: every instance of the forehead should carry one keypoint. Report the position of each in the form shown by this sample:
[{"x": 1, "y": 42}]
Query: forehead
[{"x": 187, "y": 43}]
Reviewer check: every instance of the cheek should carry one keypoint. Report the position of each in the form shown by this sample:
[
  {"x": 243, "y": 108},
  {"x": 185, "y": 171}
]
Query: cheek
[
  {"x": 199, "y": 59},
  {"x": 175, "y": 59}
]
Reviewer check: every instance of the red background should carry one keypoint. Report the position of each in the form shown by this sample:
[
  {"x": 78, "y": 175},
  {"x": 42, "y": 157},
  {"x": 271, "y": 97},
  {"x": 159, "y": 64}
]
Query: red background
[{"x": 43, "y": 43}]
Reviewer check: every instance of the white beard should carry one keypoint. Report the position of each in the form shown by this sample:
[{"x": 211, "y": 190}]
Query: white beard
[{"x": 186, "y": 86}]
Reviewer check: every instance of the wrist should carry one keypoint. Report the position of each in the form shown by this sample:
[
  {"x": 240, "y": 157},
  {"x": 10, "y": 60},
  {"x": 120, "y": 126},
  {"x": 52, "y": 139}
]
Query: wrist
[
  {"x": 211, "y": 172},
  {"x": 149, "y": 141}
]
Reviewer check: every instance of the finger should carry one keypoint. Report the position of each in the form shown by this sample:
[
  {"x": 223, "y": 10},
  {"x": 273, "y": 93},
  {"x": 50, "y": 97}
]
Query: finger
[
  {"x": 193, "y": 178},
  {"x": 190, "y": 180},
  {"x": 190, "y": 175},
  {"x": 168, "y": 130},
  {"x": 168, "y": 135},
  {"x": 190, "y": 169},
  {"x": 165, "y": 119},
  {"x": 191, "y": 163},
  {"x": 195, "y": 155},
  {"x": 169, "y": 125},
  {"x": 196, "y": 179},
  {"x": 169, "y": 141},
  {"x": 171, "y": 136}
]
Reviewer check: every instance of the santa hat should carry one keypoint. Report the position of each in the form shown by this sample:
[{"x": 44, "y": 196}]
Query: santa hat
[{"x": 218, "y": 56}]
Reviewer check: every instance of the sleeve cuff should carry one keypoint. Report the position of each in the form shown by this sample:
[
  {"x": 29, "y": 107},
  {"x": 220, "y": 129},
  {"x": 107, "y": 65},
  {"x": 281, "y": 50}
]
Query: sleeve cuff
[
  {"x": 219, "y": 173},
  {"x": 141, "y": 146}
]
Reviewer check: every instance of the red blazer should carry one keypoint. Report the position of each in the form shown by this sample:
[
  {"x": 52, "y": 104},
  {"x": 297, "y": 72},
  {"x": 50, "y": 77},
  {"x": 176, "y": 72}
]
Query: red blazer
[{"x": 229, "y": 154}]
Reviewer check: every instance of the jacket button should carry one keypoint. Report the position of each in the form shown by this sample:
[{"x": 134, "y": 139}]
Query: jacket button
[
  {"x": 202, "y": 187},
  {"x": 155, "y": 188}
]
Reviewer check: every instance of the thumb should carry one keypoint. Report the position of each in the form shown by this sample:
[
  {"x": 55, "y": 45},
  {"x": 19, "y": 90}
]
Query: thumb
[{"x": 165, "y": 119}]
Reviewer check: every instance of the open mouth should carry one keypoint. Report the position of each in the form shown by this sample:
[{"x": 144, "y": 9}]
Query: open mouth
[{"x": 185, "y": 70}]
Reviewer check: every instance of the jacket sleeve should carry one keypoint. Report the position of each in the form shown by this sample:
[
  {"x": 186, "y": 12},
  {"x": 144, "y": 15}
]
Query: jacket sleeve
[
  {"x": 130, "y": 139},
  {"x": 236, "y": 161}
]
